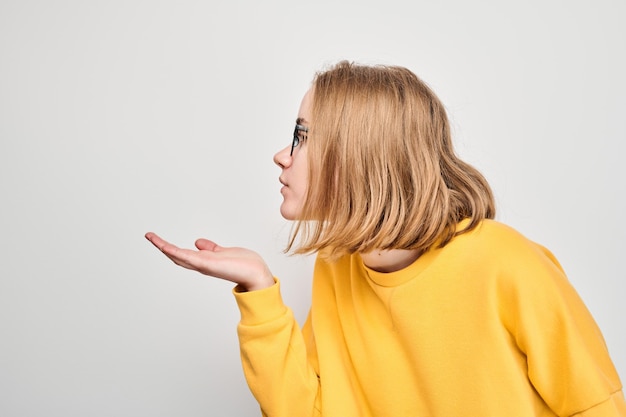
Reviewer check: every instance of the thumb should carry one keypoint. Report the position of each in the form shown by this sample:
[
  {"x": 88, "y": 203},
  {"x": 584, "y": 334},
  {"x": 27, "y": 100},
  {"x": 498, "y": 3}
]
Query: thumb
[{"x": 205, "y": 244}]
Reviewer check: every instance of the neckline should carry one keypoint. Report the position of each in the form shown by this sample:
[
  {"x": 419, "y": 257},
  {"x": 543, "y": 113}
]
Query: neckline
[{"x": 396, "y": 278}]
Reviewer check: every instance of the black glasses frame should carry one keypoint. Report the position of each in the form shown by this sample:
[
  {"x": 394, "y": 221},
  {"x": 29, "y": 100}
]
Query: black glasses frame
[{"x": 297, "y": 138}]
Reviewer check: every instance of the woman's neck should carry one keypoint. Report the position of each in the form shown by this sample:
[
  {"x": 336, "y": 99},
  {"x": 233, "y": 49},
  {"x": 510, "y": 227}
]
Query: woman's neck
[{"x": 390, "y": 260}]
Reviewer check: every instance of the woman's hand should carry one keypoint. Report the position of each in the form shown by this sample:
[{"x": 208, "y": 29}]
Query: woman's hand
[{"x": 241, "y": 266}]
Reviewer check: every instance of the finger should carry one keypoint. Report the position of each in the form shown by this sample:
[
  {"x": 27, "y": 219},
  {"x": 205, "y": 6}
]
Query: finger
[
  {"x": 155, "y": 240},
  {"x": 186, "y": 258},
  {"x": 205, "y": 244},
  {"x": 182, "y": 257},
  {"x": 164, "y": 246}
]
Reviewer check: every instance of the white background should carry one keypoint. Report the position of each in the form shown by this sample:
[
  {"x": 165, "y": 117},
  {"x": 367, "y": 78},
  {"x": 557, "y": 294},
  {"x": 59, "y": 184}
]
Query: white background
[{"x": 122, "y": 117}]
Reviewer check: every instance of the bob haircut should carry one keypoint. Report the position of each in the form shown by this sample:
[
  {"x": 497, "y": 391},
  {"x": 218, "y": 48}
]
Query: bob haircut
[{"x": 383, "y": 173}]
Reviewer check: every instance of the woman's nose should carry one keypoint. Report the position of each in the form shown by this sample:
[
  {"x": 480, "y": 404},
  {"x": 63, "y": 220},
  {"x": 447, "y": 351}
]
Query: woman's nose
[{"x": 283, "y": 157}]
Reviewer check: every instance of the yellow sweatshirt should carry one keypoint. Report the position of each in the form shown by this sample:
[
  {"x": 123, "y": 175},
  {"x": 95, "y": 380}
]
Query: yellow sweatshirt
[{"x": 486, "y": 326}]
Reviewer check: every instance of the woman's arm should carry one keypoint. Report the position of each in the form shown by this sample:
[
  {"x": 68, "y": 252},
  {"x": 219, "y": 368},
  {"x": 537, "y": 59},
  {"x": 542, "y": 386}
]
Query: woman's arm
[
  {"x": 273, "y": 351},
  {"x": 278, "y": 364},
  {"x": 568, "y": 361}
]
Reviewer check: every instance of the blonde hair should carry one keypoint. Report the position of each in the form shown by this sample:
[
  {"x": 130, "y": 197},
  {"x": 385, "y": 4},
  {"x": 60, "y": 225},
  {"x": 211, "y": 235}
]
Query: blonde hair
[{"x": 383, "y": 173}]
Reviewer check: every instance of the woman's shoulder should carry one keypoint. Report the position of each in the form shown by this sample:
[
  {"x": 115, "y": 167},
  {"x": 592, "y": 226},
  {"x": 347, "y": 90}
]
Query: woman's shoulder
[
  {"x": 494, "y": 238},
  {"x": 495, "y": 227},
  {"x": 500, "y": 243},
  {"x": 490, "y": 232}
]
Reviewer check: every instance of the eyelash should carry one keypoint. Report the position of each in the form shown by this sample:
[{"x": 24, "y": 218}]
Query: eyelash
[{"x": 301, "y": 138}]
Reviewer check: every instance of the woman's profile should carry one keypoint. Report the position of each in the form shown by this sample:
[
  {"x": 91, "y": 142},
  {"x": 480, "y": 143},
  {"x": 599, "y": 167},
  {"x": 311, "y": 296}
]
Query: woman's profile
[{"x": 423, "y": 304}]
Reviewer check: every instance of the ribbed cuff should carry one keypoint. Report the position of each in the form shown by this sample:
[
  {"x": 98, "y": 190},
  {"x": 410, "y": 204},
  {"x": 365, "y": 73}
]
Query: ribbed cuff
[{"x": 260, "y": 306}]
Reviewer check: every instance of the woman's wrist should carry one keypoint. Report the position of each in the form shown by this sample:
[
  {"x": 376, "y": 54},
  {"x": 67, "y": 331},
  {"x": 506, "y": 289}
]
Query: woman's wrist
[{"x": 265, "y": 281}]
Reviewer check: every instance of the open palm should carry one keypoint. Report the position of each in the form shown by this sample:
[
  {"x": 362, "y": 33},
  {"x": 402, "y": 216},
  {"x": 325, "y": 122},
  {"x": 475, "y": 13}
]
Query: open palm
[{"x": 239, "y": 265}]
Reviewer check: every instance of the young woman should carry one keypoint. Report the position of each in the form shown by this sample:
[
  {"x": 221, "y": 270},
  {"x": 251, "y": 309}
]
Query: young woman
[{"x": 422, "y": 304}]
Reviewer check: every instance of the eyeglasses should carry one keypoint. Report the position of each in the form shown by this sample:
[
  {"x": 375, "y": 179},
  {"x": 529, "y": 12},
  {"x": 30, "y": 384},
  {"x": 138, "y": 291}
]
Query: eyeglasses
[{"x": 299, "y": 135}]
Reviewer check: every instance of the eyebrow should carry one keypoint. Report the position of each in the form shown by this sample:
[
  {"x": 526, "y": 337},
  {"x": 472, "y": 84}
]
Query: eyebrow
[{"x": 301, "y": 120}]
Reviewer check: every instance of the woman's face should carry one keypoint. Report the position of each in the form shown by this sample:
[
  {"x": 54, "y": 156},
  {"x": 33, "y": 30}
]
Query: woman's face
[{"x": 294, "y": 175}]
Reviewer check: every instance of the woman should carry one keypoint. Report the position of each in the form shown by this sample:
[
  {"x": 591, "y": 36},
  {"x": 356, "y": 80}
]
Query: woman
[{"x": 422, "y": 304}]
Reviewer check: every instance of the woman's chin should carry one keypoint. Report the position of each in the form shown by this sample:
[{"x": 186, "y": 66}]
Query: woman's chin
[
  {"x": 286, "y": 213},
  {"x": 289, "y": 212}
]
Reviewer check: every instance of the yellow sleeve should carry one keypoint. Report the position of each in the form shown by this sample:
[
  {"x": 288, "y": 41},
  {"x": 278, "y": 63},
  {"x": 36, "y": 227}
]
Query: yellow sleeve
[
  {"x": 568, "y": 361},
  {"x": 274, "y": 355},
  {"x": 614, "y": 406}
]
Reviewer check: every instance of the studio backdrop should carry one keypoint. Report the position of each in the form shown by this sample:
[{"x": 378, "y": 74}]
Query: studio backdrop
[{"x": 123, "y": 117}]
